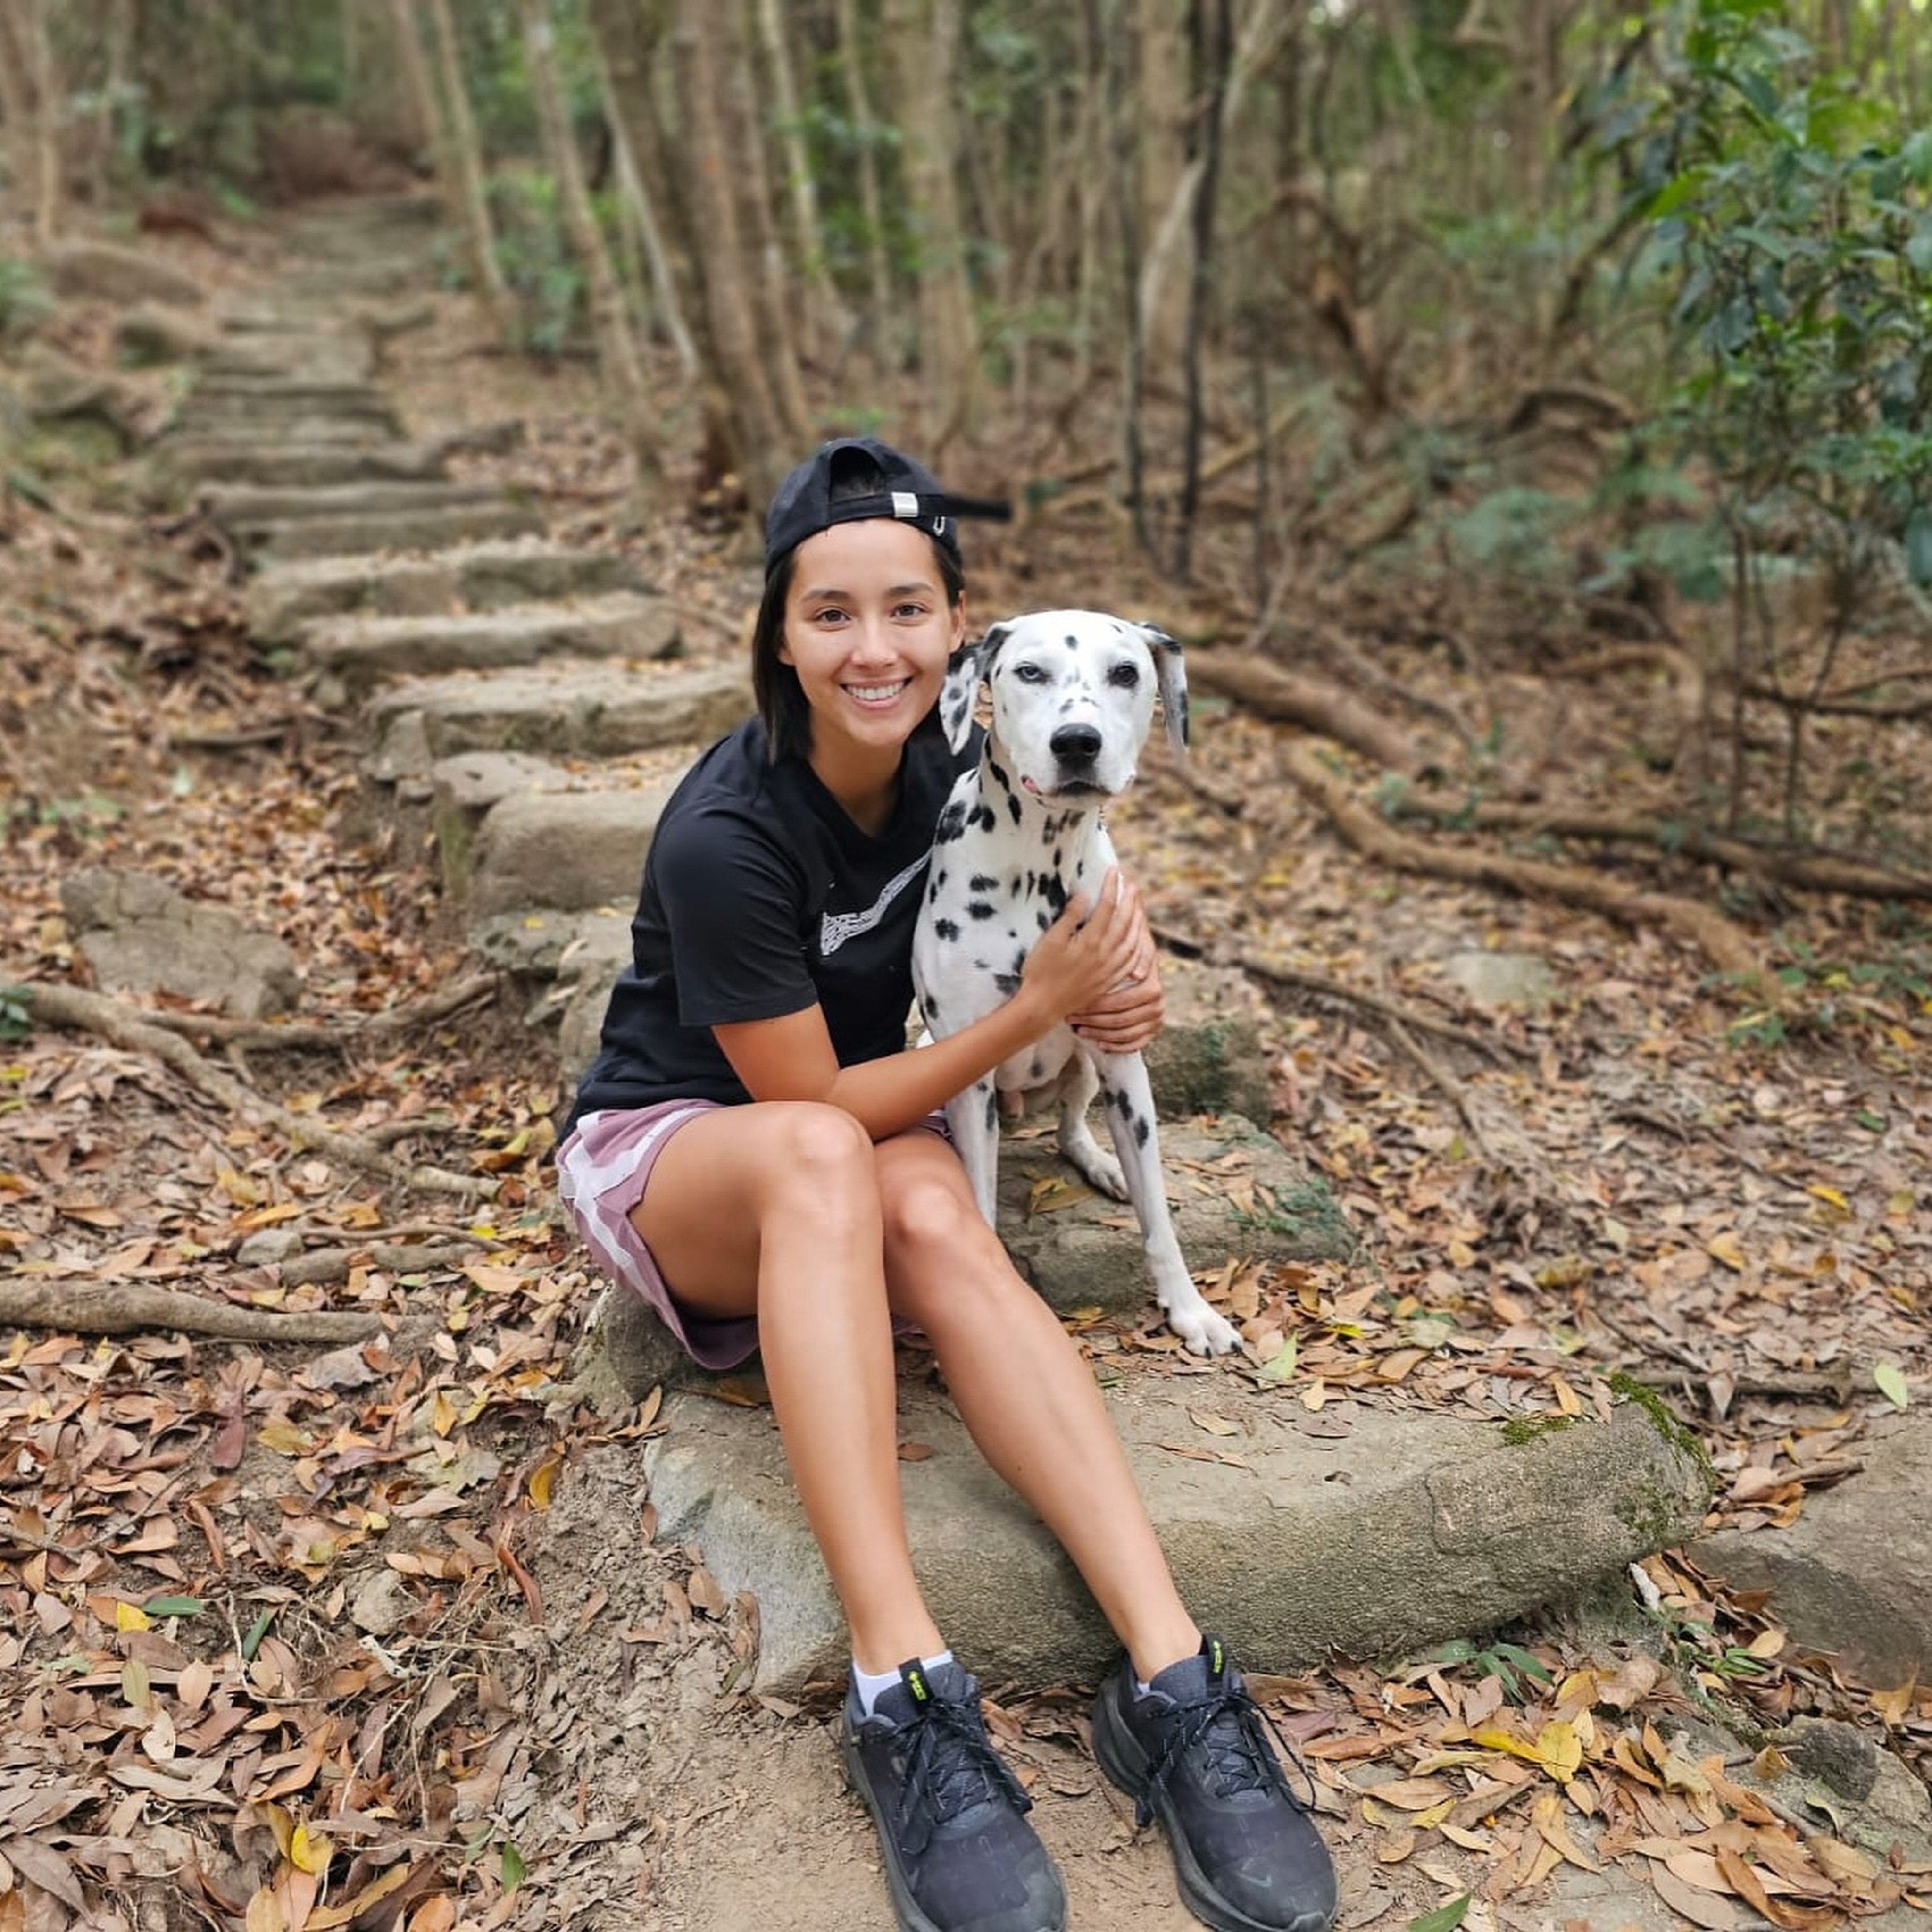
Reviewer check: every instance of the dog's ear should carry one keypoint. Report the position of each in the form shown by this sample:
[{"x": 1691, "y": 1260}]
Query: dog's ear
[
  {"x": 1170, "y": 675},
  {"x": 966, "y": 670}
]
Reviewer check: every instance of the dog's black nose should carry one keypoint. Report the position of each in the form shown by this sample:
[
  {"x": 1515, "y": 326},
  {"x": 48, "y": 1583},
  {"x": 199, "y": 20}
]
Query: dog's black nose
[{"x": 1078, "y": 744}]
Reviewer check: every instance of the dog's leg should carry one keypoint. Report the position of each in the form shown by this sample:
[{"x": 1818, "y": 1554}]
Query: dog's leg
[
  {"x": 973, "y": 1119},
  {"x": 1083, "y": 1154},
  {"x": 1130, "y": 1104}
]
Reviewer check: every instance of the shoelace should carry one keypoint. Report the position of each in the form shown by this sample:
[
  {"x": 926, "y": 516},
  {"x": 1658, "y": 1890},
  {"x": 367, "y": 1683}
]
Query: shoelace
[
  {"x": 1235, "y": 1731},
  {"x": 950, "y": 1768}
]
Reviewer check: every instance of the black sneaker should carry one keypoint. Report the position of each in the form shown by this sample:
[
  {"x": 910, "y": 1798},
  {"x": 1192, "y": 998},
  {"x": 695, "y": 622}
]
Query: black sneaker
[
  {"x": 1194, "y": 1753},
  {"x": 960, "y": 1856}
]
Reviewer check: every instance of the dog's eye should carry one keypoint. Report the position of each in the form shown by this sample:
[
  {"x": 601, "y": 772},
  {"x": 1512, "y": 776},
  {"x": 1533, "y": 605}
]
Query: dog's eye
[
  {"x": 1126, "y": 676},
  {"x": 1030, "y": 673}
]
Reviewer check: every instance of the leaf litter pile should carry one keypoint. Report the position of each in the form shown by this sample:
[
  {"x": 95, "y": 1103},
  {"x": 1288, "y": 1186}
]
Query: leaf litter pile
[{"x": 287, "y": 1644}]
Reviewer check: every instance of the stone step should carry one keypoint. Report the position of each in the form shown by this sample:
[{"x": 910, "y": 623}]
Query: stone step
[
  {"x": 239, "y": 503},
  {"x": 285, "y": 597},
  {"x": 306, "y": 394},
  {"x": 275, "y": 412},
  {"x": 568, "y": 851},
  {"x": 361, "y": 651},
  {"x": 276, "y": 539},
  {"x": 270, "y": 354},
  {"x": 1368, "y": 1530},
  {"x": 370, "y": 275},
  {"x": 559, "y": 711},
  {"x": 275, "y": 465},
  {"x": 268, "y": 431}
]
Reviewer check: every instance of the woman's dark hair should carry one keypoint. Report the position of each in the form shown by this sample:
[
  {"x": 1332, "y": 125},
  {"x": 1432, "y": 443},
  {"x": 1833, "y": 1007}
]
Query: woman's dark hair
[{"x": 774, "y": 685}]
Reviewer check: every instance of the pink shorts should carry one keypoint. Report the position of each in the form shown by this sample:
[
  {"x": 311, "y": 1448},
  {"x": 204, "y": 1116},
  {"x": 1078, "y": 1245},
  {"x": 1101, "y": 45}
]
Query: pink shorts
[{"x": 602, "y": 1170}]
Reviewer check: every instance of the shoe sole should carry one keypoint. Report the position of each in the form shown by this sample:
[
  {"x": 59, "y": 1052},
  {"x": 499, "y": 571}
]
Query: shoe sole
[
  {"x": 904, "y": 1908},
  {"x": 1127, "y": 1766}
]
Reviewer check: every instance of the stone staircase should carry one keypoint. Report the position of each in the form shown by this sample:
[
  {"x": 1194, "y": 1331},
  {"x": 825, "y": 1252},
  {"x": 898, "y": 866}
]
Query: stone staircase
[{"x": 527, "y": 707}]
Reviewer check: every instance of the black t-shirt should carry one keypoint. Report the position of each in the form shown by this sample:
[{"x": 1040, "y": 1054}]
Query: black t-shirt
[{"x": 762, "y": 898}]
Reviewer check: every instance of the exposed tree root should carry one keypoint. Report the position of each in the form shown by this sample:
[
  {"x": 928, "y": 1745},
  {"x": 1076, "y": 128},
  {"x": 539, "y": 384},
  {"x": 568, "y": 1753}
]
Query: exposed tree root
[
  {"x": 135, "y": 1308},
  {"x": 126, "y": 1027},
  {"x": 1723, "y": 942},
  {"x": 338, "y": 1034},
  {"x": 334, "y": 1264},
  {"x": 1394, "y": 1011},
  {"x": 1811, "y": 871},
  {"x": 1687, "y": 674},
  {"x": 1295, "y": 698}
]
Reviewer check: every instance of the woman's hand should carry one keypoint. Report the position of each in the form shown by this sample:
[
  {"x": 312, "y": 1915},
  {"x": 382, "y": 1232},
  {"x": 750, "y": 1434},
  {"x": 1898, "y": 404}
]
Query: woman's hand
[
  {"x": 1088, "y": 952},
  {"x": 1128, "y": 1014}
]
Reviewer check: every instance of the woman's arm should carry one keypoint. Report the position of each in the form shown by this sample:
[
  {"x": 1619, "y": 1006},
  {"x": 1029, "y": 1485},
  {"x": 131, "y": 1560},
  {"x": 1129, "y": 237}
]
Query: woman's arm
[{"x": 1083, "y": 954}]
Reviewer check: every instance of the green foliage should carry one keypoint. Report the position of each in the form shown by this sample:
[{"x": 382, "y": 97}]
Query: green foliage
[
  {"x": 1790, "y": 224},
  {"x": 24, "y": 299},
  {"x": 17, "y": 1020},
  {"x": 1508, "y": 1664},
  {"x": 537, "y": 261}
]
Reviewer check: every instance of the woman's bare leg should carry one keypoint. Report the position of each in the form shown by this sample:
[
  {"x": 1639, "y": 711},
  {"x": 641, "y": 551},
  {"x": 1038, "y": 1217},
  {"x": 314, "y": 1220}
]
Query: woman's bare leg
[
  {"x": 774, "y": 1210},
  {"x": 1026, "y": 1394}
]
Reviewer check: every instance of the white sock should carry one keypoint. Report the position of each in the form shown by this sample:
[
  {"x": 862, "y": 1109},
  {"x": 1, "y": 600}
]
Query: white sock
[{"x": 869, "y": 1683}]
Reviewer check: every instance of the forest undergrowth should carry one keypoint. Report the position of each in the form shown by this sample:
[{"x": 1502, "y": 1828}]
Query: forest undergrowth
[{"x": 278, "y": 1643}]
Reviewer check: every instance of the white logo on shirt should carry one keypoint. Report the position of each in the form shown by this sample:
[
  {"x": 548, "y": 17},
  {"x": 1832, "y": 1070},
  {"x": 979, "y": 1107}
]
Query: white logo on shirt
[{"x": 836, "y": 927}]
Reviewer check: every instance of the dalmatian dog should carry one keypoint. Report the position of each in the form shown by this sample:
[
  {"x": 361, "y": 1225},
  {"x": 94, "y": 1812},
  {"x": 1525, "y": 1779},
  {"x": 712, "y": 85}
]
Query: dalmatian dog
[{"x": 1073, "y": 700}]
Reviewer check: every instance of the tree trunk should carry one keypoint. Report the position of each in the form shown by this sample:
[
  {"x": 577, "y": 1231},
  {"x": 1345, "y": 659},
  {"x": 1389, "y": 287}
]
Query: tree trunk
[
  {"x": 616, "y": 350},
  {"x": 772, "y": 304},
  {"x": 759, "y": 448},
  {"x": 419, "y": 88},
  {"x": 872, "y": 203},
  {"x": 1165, "y": 107},
  {"x": 825, "y": 312},
  {"x": 669, "y": 309},
  {"x": 1213, "y": 35},
  {"x": 465, "y": 150},
  {"x": 923, "y": 39},
  {"x": 49, "y": 112},
  {"x": 16, "y": 113},
  {"x": 1266, "y": 28}
]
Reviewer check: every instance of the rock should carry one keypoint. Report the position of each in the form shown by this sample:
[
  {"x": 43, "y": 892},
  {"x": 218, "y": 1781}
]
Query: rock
[
  {"x": 1850, "y": 1576},
  {"x": 139, "y": 935},
  {"x": 274, "y": 539},
  {"x": 102, "y": 271},
  {"x": 568, "y": 850},
  {"x": 362, "y": 650},
  {"x": 383, "y": 1603},
  {"x": 564, "y": 710},
  {"x": 148, "y": 333},
  {"x": 341, "y": 356},
  {"x": 52, "y": 389},
  {"x": 1413, "y": 1529},
  {"x": 1232, "y": 1190},
  {"x": 267, "y": 1246},
  {"x": 299, "y": 467},
  {"x": 1207, "y": 1058},
  {"x": 463, "y": 790},
  {"x": 476, "y": 577},
  {"x": 553, "y": 945},
  {"x": 1501, "y": 979}
]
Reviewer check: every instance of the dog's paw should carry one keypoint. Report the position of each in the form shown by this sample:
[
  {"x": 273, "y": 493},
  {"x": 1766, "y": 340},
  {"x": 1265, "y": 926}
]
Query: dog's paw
[
  {"x": 1201, "y": 1331},
  {"x": 1098, "y": 1169}
]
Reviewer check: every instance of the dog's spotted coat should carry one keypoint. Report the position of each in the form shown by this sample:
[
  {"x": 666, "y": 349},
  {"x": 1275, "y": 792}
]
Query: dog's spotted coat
[{"x": 1073, "y": 700}]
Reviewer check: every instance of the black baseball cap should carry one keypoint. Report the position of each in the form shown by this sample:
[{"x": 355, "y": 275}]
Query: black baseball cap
[{"x": 804, "y": 504}]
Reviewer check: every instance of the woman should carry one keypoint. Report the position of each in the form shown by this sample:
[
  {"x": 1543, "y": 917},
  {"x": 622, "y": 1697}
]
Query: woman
[{"x": 758, "y": 1154}]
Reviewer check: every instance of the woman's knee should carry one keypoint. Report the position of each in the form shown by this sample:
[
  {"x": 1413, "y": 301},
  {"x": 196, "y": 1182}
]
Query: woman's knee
[
  {"x": 944, "y": 1265},
  {"x": 816, "y": 1154}
]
